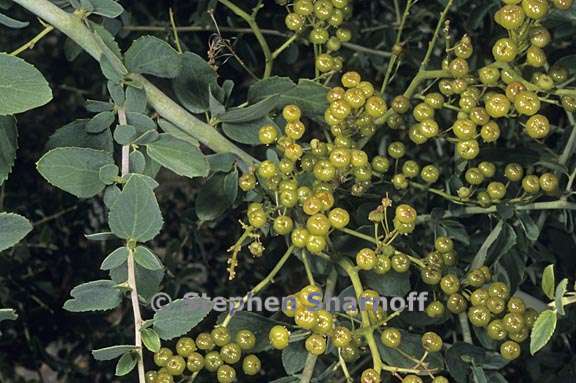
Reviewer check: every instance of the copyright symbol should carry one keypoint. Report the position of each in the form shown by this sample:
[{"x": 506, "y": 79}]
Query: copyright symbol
[{"x": 160, "y": 300}]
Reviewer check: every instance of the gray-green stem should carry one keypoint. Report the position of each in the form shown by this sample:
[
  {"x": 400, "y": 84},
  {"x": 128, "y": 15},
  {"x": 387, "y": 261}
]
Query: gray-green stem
[{"x": 73, "y": 27}]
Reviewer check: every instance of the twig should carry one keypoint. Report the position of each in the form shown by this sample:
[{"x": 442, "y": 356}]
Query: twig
[
  {"x": 175, "y": 31},
  {"x": 548, "y": 205},
  {"x": 251, "y": 21},
  {"x": 131, "y": 264},
  {"x": 263, "y": 283},
  {"x": 30, "y": 44},
  {"x": 54, "y": 216}
]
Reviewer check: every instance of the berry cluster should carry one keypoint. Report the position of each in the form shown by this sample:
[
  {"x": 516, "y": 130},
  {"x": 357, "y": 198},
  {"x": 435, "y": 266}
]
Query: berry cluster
[
  {"x": 495, "y": 191},
  {"x": 200, "y": 354},
  {"x": 355, "y": 109},
  {"x": 484, "y": 300},
  {"x": 321, "y": 325},
  {"x": 324, "y": 19}
]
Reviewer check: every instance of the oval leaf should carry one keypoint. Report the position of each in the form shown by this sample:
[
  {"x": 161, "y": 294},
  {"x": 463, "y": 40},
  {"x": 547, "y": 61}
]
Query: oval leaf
[
  {"x": 150, "y": 55},
  {"x": 135, "y": 214},
  {"x": 543, "y": 330},
  {"x": 147, "y": 259},
  {"x": 13, "y": 228},
  {"x": 8, "y": 146},
  {"x": 180, "y": 316},
  {"x": 181, "y": 157},
  {"x": 75, "y": 170},
  {"x": 22, "y": 86}
]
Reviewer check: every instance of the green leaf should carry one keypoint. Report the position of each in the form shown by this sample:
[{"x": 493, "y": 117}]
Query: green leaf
[
  {"x": 217, "y": 195},
  {"x": 135, "y": 215},
  {"x": 548, "y": 281},
  {"x": 560, "y": 292},
  {"x": 115, "y": 259},
  {"x": 12, "y": 23},
  {"x": 75, "y": 135},
  {"x": 126, "y": 363},
  {"x": 176, "y": 132},
  {"x": 568, "y": 62},
  {"x": 180, "y": 316},
  {"x": 107, "y": 8},
  {"x": 150, "y": 339},
  {"x": 530, "y": 227},
  {"x": 482, "y": 254},
  {"x": 455, "y": 230},
  {"x": 137, "y": 161},
  {"x": 22, "y": 86},
  {"x": 108, "y": 69},
  {"x": 100, "y": 122},
  {"x": 13, "y": 228},
  {"x": 252, "y": 112},
  {"x": 75, "y": 170},
  {"x": 147, "y": 259},
  {"x": 479, "y": 375},
  {"x": 136, "y": 100},
  {"x": 109, "y": 40},
  {"x": 460, "y": 358},
  {"x": 95, "y": 106},
  {"x": 8, "y": 314},
  {"x": 8, "y": 146},
  {"x": 196, "y": 81},
  {"x": 94, "y": 296},
  {"x": 108, "y": 173},
  {"x": 247, "y": 132},
  {"x": 391, "y": 284},
  {"x": 150, "y": 55},
  {"x": 543, "y": 330},
  {"x": 112, "y": 352},
  {"x": 309, "y": 96},
  {"x": 221, "y": 162},
  {"x": 181, "y": 157},
  {"x": 294, "y": 357},
  {"x": 268, "y": 87},
  {"x": 258, "y": 324}
]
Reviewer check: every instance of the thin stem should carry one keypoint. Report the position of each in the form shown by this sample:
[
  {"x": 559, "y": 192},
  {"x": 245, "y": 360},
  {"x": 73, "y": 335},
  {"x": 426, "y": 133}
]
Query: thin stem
[
  {"x": 432, "y": 43},
  {"x": 284, "y": 46},
  {"x": 175, "y": 31},
  {"x": 548, "y": 205},
  {"x": 437, "y": 192},
  {"x": 30, "y": 44},
  {"x": 308, "y": 269},
  {"x": 251, "y": 21},
  {"x": 369, "y": 335},
  {"x": 136, "y": 313},
  {"x": 263, "y": 283},
  {"x": 394, "y": 57},
  {"x": 125, "y": 148},
  {"x": 131, "y": 264},
  {"x": 357, "y": 234}
]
